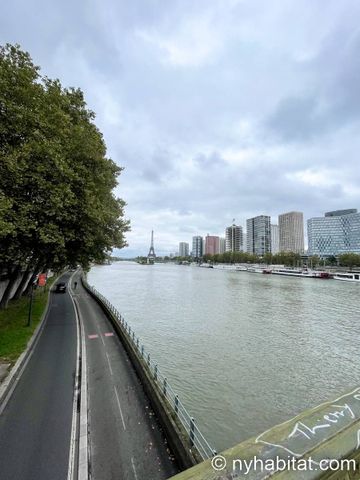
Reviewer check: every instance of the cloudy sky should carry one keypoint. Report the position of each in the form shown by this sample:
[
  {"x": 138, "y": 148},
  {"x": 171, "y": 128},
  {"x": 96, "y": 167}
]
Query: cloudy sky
[{"x": 217, "y": 109}]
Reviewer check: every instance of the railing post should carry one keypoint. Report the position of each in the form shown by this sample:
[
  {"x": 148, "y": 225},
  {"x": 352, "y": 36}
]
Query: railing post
[
  {"x": 142, "y": 350},
  {"x": 155, "y": 372},
  {"x": 148, "y": 359},
  {"x": 176, "y": 403},
  {"x": 133, "y": 336},
  {"x": 137, "y": 343},
  {"x": 165, "y": 386},
  {"x": 192, "y": 431}
]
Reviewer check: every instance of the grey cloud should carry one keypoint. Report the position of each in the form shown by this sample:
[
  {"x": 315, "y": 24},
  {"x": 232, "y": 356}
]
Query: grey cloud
[
  {"x": 283, "y": 84},
  {"x": 212, "y": 160},
  {"x": 333, "y": 101},
  {"x": 297, "y": 118},
  {"x": 158, "y": 166}
]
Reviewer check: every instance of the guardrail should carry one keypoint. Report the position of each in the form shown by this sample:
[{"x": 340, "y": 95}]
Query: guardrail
[{"x": 195, "y": 437}]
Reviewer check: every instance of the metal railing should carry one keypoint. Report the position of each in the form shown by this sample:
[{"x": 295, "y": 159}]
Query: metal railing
[{"x": 195, "y": 437}]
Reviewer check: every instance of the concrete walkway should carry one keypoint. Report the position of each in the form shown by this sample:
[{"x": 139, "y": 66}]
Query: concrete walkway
[{"x": 126, "y": 441}]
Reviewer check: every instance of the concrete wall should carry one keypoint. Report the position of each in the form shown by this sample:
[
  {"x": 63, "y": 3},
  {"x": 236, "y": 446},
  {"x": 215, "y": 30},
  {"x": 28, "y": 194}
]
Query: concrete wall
[{"x": 305, "y": 443}]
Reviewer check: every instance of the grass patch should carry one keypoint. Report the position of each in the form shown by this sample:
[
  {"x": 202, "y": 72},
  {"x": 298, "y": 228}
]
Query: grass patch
[{"x": 14, "y": 334}]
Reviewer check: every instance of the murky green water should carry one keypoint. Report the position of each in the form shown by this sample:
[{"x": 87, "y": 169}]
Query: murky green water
[{"x": 244, "y": 351}]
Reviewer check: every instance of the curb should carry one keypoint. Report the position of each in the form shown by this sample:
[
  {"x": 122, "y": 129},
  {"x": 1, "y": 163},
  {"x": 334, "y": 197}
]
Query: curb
[
  {"x": 83, "y": 469},
  {"x": 79, "y": 453}
]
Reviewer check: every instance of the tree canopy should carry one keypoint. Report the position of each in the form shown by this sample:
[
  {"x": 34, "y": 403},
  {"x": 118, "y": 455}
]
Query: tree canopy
[{"x": 57, "y": 205}]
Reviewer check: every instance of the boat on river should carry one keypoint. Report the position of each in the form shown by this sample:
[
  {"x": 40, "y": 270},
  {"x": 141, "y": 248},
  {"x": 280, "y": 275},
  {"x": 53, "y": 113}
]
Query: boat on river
[
  {"x": 257, "y": 270},
  {"x": 347, "y": 276},
  {"x": 240, "y": 268},
  {"x": 302, "y": 272}
]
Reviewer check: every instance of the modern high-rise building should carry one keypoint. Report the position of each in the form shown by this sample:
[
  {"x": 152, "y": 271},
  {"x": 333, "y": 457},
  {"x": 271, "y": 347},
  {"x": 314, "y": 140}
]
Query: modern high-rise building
[
  {"x": 212, "y": 244},
  {"x": 336, "y": 233},
  {"x": 222, "y": 245},
  {"x": 340, "y": 213},
  {"x": 275, "y": 239},
  {"x": 183, "y": 249},
  {"x": 234, "y": 238},
  {"x": 197, "y": 247},
  {"x": 259, "y": 235},
  {"x": 291, "y": 232}
]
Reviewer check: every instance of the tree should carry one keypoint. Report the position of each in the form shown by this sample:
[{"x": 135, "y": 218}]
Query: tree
[
  {"x": 349, "y": 260},
  {"x": 57, "y": 205},
  {"x": 314, "y": 261}
]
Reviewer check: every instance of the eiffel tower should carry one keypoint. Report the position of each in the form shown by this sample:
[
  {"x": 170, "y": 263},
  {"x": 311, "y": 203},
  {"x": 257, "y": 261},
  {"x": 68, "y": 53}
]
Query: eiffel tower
[{"x": 151, "y": 255}]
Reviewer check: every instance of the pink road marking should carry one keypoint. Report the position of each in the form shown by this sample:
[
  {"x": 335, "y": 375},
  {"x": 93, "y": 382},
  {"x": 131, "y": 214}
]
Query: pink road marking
[
  {"x": 110, "y": 334},
  {"x": 93, "y": 336}
]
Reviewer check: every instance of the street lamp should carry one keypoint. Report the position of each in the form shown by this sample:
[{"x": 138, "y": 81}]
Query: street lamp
[{"x": 31, "y": 304}]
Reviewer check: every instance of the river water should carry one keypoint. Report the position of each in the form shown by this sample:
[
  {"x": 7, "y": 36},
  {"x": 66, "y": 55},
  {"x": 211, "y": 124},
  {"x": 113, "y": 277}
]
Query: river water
[{"x": 244, "y": 351}]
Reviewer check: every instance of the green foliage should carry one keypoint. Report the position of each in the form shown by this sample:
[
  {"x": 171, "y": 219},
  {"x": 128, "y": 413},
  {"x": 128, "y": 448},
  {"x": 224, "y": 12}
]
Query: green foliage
[
  {"x": 14, "y": 332},
  {"x": 314, "y": 261},
  {"x": 283, "y": 258},
  {"x": 349, "y": 260},
  {"x": 56, "y": 201}
]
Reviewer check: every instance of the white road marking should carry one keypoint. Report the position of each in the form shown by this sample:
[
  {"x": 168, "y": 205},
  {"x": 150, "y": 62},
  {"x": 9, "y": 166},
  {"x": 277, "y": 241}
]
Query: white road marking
[
  {"x": 71, "y": 467},
  {"x": 133, "y": 466},
  {"x": 107, "y": 356},
  {"x": 118, "y": 401},
  {"x": 83, "y": 445}
]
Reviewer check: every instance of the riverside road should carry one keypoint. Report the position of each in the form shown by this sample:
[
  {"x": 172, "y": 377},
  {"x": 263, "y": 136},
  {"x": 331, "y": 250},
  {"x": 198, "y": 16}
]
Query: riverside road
[{"x": 125, "y": 440}]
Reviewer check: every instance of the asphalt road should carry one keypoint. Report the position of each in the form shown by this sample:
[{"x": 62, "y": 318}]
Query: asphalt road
[
  {"x": 35, "y": 426},
  {"x": 126, "y": 442},
  {"x": 125, "y": 439}
]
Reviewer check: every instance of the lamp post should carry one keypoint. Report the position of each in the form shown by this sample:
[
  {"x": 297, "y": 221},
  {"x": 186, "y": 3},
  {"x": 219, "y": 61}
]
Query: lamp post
[{"x": 30, "y": 304}]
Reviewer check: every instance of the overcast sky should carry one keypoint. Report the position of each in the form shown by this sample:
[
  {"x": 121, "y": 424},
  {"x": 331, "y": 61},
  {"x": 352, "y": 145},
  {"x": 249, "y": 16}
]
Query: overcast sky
[{"x": 217, "y": 109}]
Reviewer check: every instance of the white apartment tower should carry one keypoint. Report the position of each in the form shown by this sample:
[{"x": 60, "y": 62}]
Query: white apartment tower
[
  {"x": 183, "y": 249},
  {"x": 234, "y": 238},
  {"x": 291, "y": 232},
  {"x": 275, "y": 239},
  {"x": 222, "y": 245}
]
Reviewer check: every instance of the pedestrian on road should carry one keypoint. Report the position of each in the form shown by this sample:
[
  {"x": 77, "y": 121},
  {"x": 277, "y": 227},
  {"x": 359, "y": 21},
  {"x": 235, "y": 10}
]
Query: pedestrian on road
[{"x": 75, "y": 285}]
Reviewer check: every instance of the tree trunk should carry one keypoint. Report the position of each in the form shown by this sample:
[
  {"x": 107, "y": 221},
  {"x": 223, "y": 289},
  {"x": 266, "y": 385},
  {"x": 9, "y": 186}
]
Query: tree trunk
[
  {"x": 12, "y": 280},
  {"x": 22, "y": 283},
  {"x": 37, "y": 269}
]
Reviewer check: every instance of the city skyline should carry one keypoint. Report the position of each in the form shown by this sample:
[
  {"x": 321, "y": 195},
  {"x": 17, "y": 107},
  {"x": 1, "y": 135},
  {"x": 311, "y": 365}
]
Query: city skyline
[
  {"x": 215, "y": 109},
  {"x": 301, "y": 226}
]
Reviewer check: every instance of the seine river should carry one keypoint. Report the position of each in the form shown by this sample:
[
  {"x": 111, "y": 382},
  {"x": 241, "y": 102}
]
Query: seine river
[{"x": 244, "y": 351}]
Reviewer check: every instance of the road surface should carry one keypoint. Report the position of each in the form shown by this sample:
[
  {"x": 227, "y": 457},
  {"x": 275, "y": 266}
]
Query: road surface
[
  {"x": 125, "y": 439},
  {"x": 35, "y": 426}
]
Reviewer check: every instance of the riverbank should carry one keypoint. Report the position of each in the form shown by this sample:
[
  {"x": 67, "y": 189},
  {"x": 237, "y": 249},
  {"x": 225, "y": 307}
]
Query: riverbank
[{"x": 14, "y": 332}]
